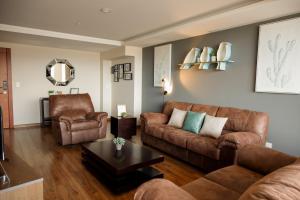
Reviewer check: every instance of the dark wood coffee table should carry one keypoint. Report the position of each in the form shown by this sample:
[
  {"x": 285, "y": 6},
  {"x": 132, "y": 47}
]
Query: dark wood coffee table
[{"x": 121, "y": 170}]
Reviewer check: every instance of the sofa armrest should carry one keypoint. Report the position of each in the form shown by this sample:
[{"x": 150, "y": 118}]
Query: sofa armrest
[
  {"x": 154, "y": 118},
  {"x": 263, "y": 160},
  {"x": 96, "y": 116},
  {"x": 237, "y": 140},
  {"x": 161, "y": 189}
]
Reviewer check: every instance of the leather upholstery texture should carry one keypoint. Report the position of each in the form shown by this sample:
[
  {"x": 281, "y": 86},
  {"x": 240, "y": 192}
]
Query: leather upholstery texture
[
  {"x": 243, "y": 127},
  {"x": 74, "y": 120},
  {"x": 280, "y": 179}
]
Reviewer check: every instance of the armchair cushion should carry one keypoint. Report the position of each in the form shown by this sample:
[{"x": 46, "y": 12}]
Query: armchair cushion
[
  {"x": 263, "y": 160},
  {"x": 158, "y": 189},
  {"x": 155, "y": 118},
  {"x": 237, "y": 140},
  {"x": 96, "y": 116},
  {"x": 73, "y": 114},
  {"x": 84, "y": 125}
]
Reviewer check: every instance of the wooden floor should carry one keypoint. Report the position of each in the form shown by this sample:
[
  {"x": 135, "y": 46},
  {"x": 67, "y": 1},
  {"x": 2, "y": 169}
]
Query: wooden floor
[{"x": 64, "y": 175}]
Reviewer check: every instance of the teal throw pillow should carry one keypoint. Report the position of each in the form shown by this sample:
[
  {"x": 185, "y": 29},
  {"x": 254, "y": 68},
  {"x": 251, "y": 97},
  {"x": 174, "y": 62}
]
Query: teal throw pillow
[{"x": 193, "y": 121}]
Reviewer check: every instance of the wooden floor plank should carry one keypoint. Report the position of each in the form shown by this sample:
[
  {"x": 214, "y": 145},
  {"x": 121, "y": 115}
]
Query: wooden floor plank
[{"x": 64, "y": 175}]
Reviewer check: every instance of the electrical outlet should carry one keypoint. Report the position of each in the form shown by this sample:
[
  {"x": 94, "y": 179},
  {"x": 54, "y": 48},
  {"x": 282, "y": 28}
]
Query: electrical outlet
[{"x": 269, "y": 145}]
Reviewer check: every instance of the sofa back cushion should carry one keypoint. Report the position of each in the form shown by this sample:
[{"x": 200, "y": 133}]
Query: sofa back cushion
[
  {"x": 283, "y": 183},
  {"x": 244, "y": 120},
  {"x": 170, "y": 105},
  {"x": 58, "y": 104},
  {"x": 263, "y": 160},
  {"x": 208, "y": 109},
  {"x": 75, "y": 114}
]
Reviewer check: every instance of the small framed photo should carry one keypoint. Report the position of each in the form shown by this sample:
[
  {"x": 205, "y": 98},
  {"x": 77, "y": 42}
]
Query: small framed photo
[
  {"x": 121, "y": 109},
  {"x": 127, "y": 67},
  {"x": 121, "y": 71},
  {"x": 113, "y": 69},
  {"x": 74, "y": 90},
  {"x": 127, "y": 76},
  {"x": 116, "y": 76}
]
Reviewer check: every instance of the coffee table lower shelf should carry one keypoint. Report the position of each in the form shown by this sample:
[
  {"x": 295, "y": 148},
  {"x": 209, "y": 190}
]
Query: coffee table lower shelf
[{"x": 120, "y": 183}]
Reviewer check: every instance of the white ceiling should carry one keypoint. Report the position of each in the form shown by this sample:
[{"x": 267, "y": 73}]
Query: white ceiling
[{"x": 135, "y": 22}]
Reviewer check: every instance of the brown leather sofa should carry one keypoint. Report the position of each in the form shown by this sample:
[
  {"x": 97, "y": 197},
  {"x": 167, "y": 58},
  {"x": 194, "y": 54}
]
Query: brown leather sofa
[
  {"x": 74, "y": 119},
  {"x": 242, "y": 127},
  {"x": 261, "y": 174}
]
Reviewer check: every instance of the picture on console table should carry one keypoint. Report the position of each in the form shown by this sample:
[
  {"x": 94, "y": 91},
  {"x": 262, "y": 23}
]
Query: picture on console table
[{"x": 278, "y": 63}]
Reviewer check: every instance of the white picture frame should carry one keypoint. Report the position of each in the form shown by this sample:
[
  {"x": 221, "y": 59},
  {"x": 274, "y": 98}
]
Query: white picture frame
[
  {"x": 121, "y": 108},
  {"x": 162, "y": 64},
  {"x": 278, "y": 57}
]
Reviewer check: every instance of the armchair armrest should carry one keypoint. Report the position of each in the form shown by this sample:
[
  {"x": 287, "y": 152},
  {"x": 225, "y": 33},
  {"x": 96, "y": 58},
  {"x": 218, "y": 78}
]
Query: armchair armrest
[
  {"x": 96, "y": 116},
  {"x": 262, "y": 159},
  {"x": 161, "y": 189},
  {"x": 236, "y": 140},
  {"x": 154, "y": 118}
]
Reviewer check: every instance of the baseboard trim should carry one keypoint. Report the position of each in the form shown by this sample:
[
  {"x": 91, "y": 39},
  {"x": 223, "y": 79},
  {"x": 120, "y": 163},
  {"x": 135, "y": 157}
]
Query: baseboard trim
[{"x": 27, "y": 125}]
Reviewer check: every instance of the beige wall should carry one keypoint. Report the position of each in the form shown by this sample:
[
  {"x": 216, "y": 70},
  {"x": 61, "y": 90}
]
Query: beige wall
[
  {"x": 122, "y": 92},
  {"x": 28, "y": 68}
]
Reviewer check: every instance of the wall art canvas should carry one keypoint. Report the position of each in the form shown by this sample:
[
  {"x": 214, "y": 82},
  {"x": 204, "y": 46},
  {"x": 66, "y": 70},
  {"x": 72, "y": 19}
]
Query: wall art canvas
[
  {"x": 278, "y": 58},
  {"x": 162, "y": 64}
]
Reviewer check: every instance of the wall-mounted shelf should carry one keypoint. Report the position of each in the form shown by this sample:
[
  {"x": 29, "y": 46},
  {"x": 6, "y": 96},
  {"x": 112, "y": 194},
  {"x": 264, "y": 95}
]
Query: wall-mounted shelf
[{"x": 210, "y": 62}]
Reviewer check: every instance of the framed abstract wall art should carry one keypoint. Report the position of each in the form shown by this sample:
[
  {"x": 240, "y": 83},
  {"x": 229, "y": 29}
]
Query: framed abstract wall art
[
  {"x": 162, "y": 64},
  {"x": 278, "y": 58}
]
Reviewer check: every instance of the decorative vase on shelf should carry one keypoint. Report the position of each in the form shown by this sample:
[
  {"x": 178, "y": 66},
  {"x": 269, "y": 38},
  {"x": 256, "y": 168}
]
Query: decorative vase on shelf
[
  {"x": 223, "y": 55},
  {"x": 205, "y": 57},
  {"x": 190, "y": 58}
]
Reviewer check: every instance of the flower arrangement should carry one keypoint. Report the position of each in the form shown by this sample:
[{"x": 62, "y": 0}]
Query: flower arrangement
[{"x": 119, "y": 142}]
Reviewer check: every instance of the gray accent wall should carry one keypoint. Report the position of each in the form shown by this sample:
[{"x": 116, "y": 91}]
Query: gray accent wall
[{"x": 234, "y": 87}]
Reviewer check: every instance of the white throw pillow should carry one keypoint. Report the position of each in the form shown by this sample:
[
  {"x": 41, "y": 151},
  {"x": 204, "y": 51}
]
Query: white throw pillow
[
  {"x": 213, "y": 126},
  {"x": 177, "y": 118}
]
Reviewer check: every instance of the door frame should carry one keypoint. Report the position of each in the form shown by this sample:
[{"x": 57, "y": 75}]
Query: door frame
[{"x": 10, "y": 92}]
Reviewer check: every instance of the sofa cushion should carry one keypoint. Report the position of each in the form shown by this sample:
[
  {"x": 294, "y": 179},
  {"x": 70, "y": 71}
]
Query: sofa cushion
[
  {"x": 204, "y": 145},
  {"x": 213, "y": 126},
  {"x": 237, "y": 118},
  {"x": 159, "y": 189},
  {"x": 281, "y": 184},
  {"x": 193, "y": 121},
  {"x": 205, "y": 189},
  {"x": 157, "y": 130},
  {"x": 178, "y": 137},
  {"x": 170, "y": 105},
  {"x": 210, "y": 110},
  {"x": 84, "y": 124},
  {"x": 177, "y": 118},
  {"x": 234, "y": 178}
]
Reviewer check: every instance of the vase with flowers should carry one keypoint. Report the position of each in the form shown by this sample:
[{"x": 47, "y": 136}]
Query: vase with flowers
[{"x": 119, "y": 142}]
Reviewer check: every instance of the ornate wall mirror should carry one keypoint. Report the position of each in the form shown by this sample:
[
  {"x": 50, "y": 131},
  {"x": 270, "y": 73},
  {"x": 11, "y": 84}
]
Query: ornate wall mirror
[{"x": 60, "y": 72}]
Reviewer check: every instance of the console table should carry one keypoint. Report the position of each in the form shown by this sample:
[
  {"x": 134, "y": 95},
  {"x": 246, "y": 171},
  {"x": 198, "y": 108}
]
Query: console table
[{"x": 44, "y": 112}]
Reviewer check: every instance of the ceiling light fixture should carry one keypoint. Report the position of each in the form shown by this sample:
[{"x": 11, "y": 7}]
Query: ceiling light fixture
[{"x": 106, "y": 10}]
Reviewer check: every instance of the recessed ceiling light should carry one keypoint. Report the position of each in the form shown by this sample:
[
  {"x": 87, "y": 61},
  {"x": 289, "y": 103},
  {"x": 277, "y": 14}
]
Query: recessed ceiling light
[{"x": 106, "y": 10}]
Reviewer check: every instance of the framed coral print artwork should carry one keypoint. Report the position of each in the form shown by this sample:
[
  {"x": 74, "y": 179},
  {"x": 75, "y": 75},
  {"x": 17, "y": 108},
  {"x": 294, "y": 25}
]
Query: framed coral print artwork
[{"x": 278, "y": 58}]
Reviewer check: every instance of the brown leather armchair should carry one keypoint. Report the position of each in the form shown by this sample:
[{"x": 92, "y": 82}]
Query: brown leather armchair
[{"x": 74, "y": 119}]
